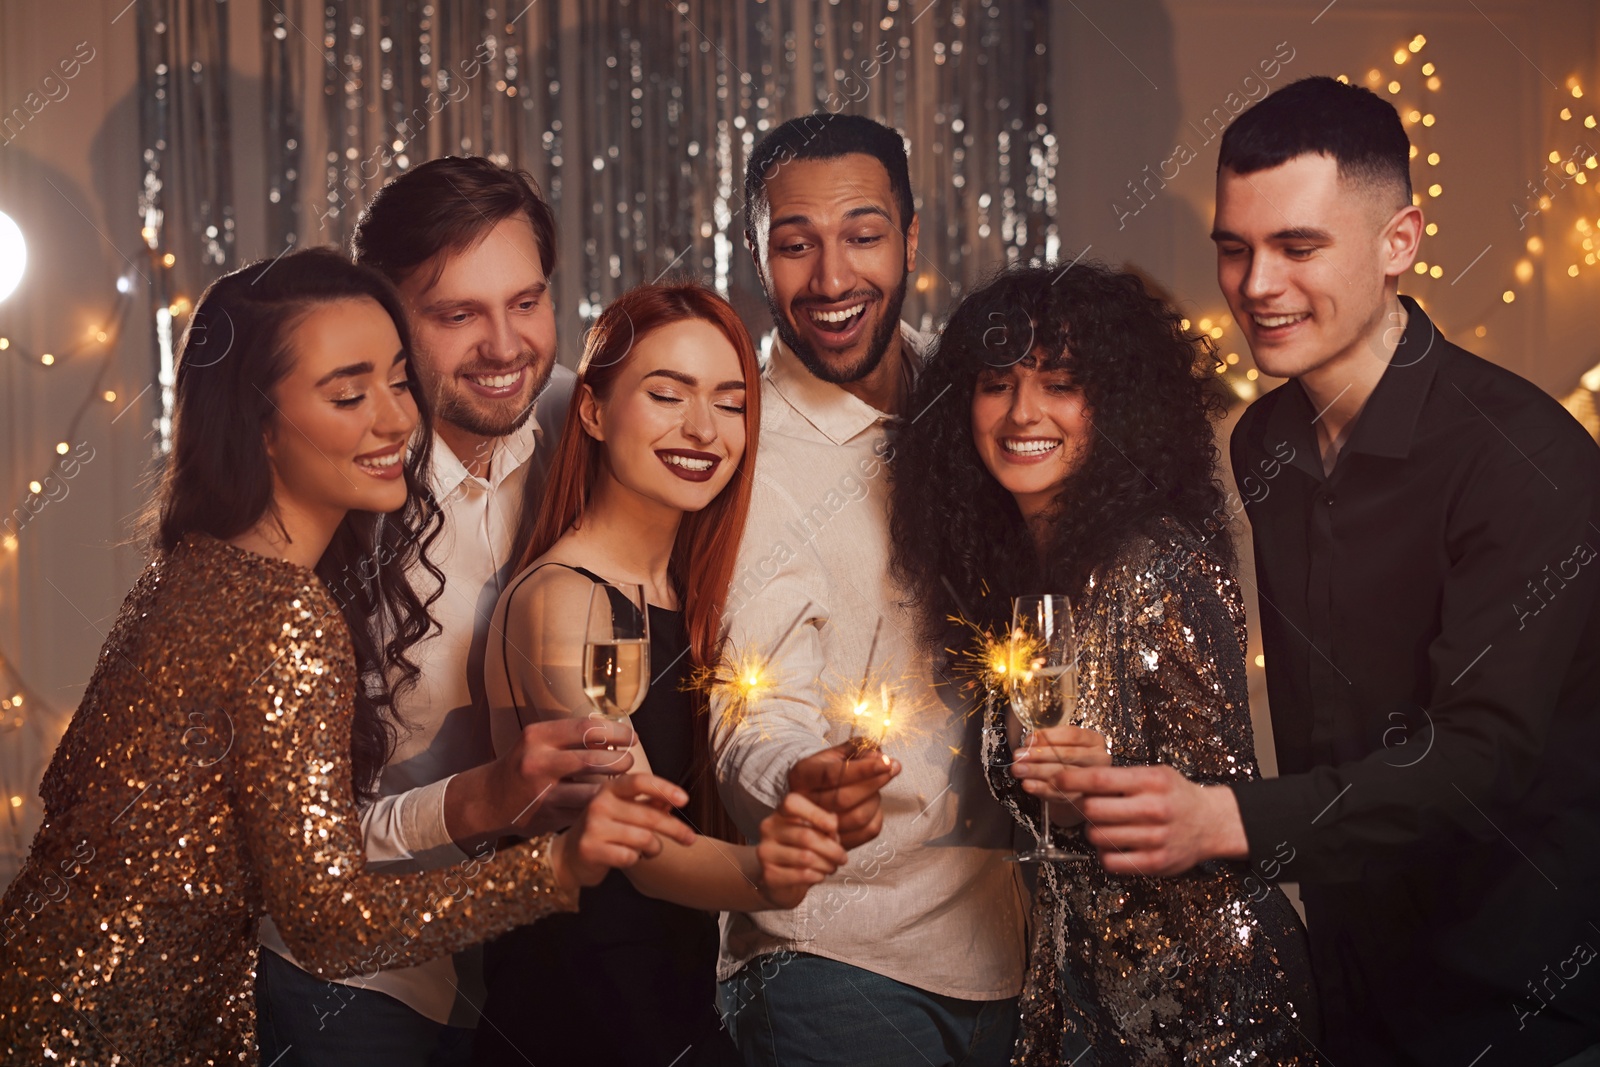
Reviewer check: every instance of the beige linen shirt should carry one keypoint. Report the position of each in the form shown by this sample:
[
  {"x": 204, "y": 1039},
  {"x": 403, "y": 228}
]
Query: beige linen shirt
[
  {"x": 930, "y": 902},
  {"x": 444, "y": 717}
]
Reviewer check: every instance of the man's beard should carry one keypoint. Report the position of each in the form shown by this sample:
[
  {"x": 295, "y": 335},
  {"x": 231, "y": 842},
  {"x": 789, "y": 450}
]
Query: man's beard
[
  {"x": 453, "y": 404},
  {"x": 882, "y": 334}
]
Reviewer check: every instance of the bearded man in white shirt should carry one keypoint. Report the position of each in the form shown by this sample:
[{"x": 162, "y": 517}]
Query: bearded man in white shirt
[
  {"x": 914, "y": 951},
  {"x": 471, "y": 247}
]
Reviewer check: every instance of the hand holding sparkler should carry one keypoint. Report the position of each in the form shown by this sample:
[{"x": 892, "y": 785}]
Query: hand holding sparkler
[
  {"x": 847, "y": 785},
  {"x": 799, "y": 848}
]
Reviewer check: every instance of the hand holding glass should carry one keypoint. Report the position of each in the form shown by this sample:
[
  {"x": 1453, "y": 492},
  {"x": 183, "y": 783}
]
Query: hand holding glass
[{"x": 1045, "y": 692}]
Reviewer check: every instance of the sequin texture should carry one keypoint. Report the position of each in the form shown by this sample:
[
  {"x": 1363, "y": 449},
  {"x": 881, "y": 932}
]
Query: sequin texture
[
  {"x": 205, "y": 780},
  {"x": 1209, "y": 968}
]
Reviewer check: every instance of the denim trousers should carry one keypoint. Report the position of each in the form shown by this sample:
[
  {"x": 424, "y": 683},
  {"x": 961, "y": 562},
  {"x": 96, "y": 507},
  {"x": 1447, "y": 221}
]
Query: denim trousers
[
  {"x": 302, "y": 1021},
  {"x": 800, "y": 1010}
]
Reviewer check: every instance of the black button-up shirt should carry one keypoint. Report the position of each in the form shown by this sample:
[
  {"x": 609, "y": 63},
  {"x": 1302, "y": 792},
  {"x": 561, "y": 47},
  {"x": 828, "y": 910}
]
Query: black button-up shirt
[{"x": 1430, "y": 615}]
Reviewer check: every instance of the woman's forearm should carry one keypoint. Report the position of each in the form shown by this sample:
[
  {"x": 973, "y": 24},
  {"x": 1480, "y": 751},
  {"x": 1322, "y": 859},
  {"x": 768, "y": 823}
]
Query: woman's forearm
[{"x": 711, "y": 875}]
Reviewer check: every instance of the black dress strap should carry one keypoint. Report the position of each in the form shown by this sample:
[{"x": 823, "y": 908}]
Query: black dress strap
[{"x": 619, "y": 605}]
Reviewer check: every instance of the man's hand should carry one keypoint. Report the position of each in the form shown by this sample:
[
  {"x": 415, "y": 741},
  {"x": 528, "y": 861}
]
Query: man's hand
[
  {"x": 1043, "y": 757},
  {"x": 848, "y": 787},
  {"x": 1153, "y": 820},
  {"x": 531, "y": 789}
]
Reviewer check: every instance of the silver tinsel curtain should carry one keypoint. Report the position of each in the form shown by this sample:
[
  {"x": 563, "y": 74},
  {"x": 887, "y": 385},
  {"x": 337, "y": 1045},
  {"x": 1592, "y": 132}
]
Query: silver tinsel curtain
[{"x": 635, "y": 117}]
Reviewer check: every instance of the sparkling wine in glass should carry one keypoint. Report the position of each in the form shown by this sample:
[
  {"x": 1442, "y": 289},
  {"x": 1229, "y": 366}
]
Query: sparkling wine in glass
[
  {"x": 1045, "y": 691},
  {"x": 616, "y": 649}
]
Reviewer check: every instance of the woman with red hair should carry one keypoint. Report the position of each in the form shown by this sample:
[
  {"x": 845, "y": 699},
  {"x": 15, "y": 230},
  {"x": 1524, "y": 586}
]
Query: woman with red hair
[{"x": 649, "y": 486}]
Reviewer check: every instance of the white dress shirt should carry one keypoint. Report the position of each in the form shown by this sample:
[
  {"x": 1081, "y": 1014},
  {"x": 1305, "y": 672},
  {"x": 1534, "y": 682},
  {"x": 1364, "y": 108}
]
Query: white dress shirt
[
  {"x": 444, "y": 717},
  {"x": 931, "y": 901}
]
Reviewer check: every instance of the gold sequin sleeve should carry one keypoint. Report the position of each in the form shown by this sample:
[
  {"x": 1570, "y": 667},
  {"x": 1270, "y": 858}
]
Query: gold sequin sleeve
[{"x": 300, "y": 824}]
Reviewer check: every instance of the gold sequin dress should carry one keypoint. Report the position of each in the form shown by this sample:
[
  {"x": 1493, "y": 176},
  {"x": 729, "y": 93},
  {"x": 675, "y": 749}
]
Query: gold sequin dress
[
  {"x": 204, "y": 781},
  {"x": 1209, "y": 968}
]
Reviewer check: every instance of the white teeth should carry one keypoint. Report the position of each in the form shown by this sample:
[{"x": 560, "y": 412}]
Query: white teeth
[
  {"x": 1269, "y": 321},
  {"x": 382, "y": 462},
  {"x": 497, "y": 381},
  {"x": 688, "y": 464},
  {"x": 1029, "y": 448},
  {"x": 838, "y": 316}
]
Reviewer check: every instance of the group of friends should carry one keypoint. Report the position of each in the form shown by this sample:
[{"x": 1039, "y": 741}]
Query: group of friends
[{"x": 335, "y": 793}]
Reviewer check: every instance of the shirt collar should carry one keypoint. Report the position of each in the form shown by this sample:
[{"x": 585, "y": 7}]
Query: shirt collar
[
  {"x": 510, "y": 452},
  {"x": 1388, "y": 421},
  {"x": 837, "y": 414}
]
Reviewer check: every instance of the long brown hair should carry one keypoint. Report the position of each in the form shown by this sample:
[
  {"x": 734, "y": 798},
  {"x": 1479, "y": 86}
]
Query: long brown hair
[
  {"x": 236, "y": 350},
  {"x": 707, "y": 546}
]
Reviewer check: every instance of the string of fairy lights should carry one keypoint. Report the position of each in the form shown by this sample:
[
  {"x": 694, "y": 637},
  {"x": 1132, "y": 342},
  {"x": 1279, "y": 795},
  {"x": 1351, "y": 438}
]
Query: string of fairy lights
[
  {"x": 1413, "y": 82},
  {"x": 22, "y": 704}
]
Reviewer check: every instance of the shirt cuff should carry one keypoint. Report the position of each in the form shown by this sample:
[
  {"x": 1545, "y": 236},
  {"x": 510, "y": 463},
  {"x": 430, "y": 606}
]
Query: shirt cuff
[
  {"x": 1276, "y": 823},
  {"x": 409, "y": 829}
]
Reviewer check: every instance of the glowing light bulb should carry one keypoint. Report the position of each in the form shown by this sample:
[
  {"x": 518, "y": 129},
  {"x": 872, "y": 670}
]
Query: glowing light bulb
[
  {"x": 1535, "y": 245},
  {"x": 47, "y": 359},
  {"x": 111, "y": 396},
  {"x": 1508, "y": 296},
  {"x": 1417, "y": 42},
  {"x": 1436, "y": 271},
  {"x": 62, "y": 448}
]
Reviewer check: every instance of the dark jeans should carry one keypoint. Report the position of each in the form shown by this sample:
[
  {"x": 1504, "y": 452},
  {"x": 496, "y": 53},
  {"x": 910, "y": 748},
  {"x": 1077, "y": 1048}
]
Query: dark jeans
[
  {"x": 302, "y": 1021},
  {"x": 794, "y": 1009}
]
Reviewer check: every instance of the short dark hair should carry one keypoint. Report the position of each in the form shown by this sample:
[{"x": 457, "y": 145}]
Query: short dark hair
[
  {"x": 1360, "y": 130},
  {"x": 824, "y": 135},
  {"x": 447, "y": 205}
]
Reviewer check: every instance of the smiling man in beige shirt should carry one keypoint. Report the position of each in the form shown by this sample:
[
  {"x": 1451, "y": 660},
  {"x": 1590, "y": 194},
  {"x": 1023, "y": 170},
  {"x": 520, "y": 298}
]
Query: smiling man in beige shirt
[{"x": 914, "y": 951}]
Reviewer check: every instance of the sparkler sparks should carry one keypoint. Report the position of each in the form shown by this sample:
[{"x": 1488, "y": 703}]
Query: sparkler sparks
[
  {"x": 738, "y": 683},
  {"x": 994, "y": 663}
]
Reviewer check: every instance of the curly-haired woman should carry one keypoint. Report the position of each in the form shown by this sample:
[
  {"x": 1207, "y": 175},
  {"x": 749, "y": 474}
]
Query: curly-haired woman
[{"x": 1067, "y": 427}]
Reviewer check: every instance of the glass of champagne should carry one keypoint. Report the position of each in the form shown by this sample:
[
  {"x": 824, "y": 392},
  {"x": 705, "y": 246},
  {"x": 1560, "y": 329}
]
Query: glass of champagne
[
  {"x": 616, "y": 649},
  {"x": 1044, "y": 692}
]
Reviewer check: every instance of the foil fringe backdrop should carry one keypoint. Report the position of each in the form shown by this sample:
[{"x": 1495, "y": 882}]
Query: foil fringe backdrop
[
  {"x": 186, "y": 189},
  {"x": 636, "y": 119}
]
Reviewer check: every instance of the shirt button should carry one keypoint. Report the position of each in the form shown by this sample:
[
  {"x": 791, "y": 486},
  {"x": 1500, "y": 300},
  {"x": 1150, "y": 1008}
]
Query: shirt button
[{"x": 1328, "y": 500}]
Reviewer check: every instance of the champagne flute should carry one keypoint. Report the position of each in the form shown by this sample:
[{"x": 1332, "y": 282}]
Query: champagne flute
[
  {"x": 616, "y": 649},
  {"x": 1044, "y": 692}
]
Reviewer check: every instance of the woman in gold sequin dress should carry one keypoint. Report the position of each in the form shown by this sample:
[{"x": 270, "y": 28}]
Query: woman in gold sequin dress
[
  {"x": 238, "y": 708},
  {"x": 1068, "y": 434}
]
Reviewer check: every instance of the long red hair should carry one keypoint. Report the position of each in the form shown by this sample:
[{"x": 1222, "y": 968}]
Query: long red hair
[{"x": 707, "y": 546}]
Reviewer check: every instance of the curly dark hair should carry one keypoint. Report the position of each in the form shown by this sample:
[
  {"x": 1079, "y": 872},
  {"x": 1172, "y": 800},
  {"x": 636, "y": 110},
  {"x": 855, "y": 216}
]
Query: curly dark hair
[{"x": 961, "y": 546}]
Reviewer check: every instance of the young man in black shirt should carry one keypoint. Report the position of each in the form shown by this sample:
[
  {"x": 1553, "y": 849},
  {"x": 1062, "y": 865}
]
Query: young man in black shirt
[{"x": 1426, "y": 527}]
